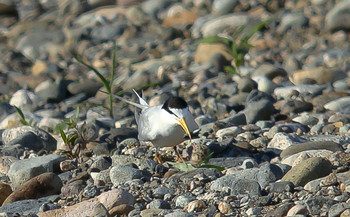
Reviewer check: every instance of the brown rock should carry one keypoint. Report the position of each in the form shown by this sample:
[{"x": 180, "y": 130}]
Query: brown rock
[
  {"x": 206, "y": 51},
  {"x": 100, "y": 210},
  {"x": 116, "y": 197},
  {"x": 40, "y": 186},
  {"x": 196, "y": 205},
  {"x": 5, "y": 191},
  {"x": 346, "y": 213},
  {"x": 5, "y": 163},
  {"x": 73, "y": 188},
  {"x": 123, "y": 209},
  {"x": 109, "y": 199},
  {"x": 84, "y": 208},
  {"x": 319, "y": 75},
  {"x": 308, "y": 170},
  {"x": 224, "y": 208},
  {"x": 39, "y": 67},
  {"x": 182, "y": 18},
  {"x": 169, "y": 173}
]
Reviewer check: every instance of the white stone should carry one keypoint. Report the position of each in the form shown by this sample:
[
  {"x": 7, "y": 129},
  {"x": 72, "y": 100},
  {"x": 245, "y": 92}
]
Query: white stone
[{"x": 25, "y": 100}]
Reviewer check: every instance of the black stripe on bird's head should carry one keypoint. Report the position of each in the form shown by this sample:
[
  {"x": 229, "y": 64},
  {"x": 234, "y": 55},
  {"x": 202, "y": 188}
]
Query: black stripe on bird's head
[{"x": 174, "y": 103}]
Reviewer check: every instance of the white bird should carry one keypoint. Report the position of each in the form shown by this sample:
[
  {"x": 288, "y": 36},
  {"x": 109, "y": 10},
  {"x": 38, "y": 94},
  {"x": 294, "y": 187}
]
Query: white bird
[{"x": 163, "y": 125}]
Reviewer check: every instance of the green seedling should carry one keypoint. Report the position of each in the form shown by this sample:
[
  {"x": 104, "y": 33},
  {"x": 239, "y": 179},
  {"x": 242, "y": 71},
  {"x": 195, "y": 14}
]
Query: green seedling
[
  {"x": 23, "y": 119},
  {"x": 238, "y": 45},
  {"x": 107, "y": 82},
  {"x": 74, "y": 137}
]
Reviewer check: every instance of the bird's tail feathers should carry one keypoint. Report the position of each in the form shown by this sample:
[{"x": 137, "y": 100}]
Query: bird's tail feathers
[
  {"x": 140, "y": 106},
  {"x": 141, "y": 98}
]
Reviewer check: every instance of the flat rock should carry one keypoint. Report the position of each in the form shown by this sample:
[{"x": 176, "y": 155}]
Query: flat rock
[
  {"x": 229, "y": 21},
  {"x": 27, "y": 140},
  {"x": 282, "y": 141},
  {"x": 305, "y": 89},
  {"x": 109, "y": 200},
  {"x": 306, "y": 119},
  {"x": 295, "y": 159},
  {"x": 25, "y": 207},
  {"x": 338, "y": 105},
  {"x": 308, "y": 170},
  {"x": 340, "y": 139},
  {"x": 40, "y": 186},
  {"x": 150, "y": 212},
  {"x": 319, "y": 74},
  {"x": 317, "y": 145},
  {"x": 262, "y": 176},
  {"x": 23, "y": 170},
  {"x": 48, "y": 142},
  {"x": 120, "y": 174},
  {"x": 298, "y": 209}
]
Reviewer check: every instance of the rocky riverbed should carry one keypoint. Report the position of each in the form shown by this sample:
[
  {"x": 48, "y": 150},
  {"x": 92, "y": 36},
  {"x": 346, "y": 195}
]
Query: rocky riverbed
[{"x": 274, "y": 136}]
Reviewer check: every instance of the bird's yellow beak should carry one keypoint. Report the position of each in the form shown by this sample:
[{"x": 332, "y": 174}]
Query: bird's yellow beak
[{"x": 183, "y": 124}]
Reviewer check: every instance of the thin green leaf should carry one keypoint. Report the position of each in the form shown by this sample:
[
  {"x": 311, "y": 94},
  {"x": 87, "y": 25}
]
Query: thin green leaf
[
  {"x": 230, "y": 70},
  {"x": 238, "y": 32},
  {"x": 214, "y": 39},
  {"x": 211, "y": 166},
  {"x": 19, "y": 111},
  {"x": 102, "y": 78},
  {"x": 206, "y": 159},
  {"x": 72, "y": 139},
  {"x": 234, "y": 50},
  {"x": 59, "y": 126},
  {"x": 97, "y": 105},
  {"x": 182, "y": 166},
  {"x": 21, "y": 115},
  {"x": 76, "y": 116},
  {"x": 110, "y": 98},
  {"x": 114, "y": 59},
  {"x": 63, "y": 135},
  {"x": 31, "y": 122}
]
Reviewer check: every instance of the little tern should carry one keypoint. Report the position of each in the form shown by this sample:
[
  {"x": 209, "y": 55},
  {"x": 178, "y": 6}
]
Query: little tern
[{"x": 163, "y": 125}]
